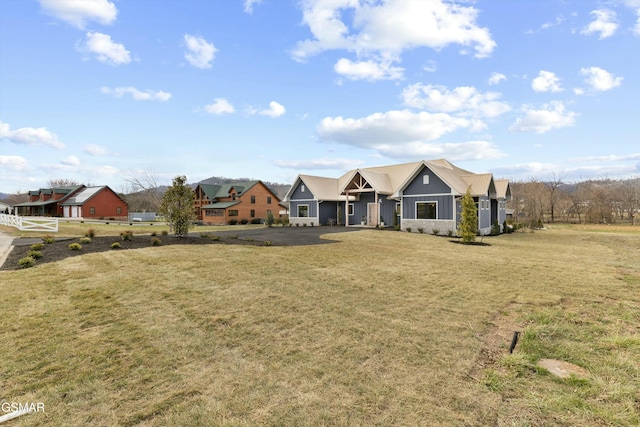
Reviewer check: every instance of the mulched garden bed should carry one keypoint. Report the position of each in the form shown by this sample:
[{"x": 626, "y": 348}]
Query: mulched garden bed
[{"x": 60, "y": 250}]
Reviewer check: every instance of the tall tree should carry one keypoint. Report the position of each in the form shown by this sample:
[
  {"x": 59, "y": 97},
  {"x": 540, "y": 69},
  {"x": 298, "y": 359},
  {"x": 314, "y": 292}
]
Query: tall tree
[
  {"x": 62, "y": 182},
  {"x": 177, "y": 206},
  {"x": 468, "y": 218}
]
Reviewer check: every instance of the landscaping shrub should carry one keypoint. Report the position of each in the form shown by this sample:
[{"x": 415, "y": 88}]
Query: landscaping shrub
[
  {"x": 34, "y": 254},
  {"x": 153, "y": 233},
  {"x": 75, "y": 246},
  {"x": 420, "y": 230},
  {"x": 127, "y": 235},
  {"x": 155, "y": 241},
  {"x": 268, "y": 243},
  {"x": 233, "y": 221},
  {"x": 408, "y": 229},
  {"x": 164, "y": 232},
  {"x": 85, "y": 240},
  {"x": 205, "y": 235},
  {"x": 255, "y": 221},
  {"x": 48, "y": 239},
  {"x": 435, "y": 231},
  {"x": 244, "y": 221},
  {"x": 495, "y": 228},
  {"x": 91, "y": 233},
  {"x": 26, "y": 262},
  {"x": 270, "y": 220},
  {"x": 37, "y": 246},
  {"x": 450, "y": 233},
  {"x": 115, "y": 245}
]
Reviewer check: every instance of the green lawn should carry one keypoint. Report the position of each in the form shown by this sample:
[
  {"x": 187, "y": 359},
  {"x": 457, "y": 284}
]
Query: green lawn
[{"x": 383, "y": 328}]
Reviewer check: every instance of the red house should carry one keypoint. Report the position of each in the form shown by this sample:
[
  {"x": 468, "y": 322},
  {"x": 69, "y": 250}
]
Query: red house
[{"x": 79, "y": 201}]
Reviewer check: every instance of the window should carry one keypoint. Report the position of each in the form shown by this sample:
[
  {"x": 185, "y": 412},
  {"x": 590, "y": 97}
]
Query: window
[
  {"x": 92, "y": 211},
  {"x": 233, "y": 196},
  {"x": 268, "y": 200},
  {"x": 303, "y": 211},
  {"x": 426, "y": 210},
  {"x": 253, "y": 200},
  {"x": 253, "y": 213},
  {"x": 350, "y": 208},
  {"x": 398, "y": 209},
  {"x": 302, "y": 188},
  {"x": 118, "y": 211},
  {"x": 425, "y": 179},
  {"x": 233, "y": 212}
]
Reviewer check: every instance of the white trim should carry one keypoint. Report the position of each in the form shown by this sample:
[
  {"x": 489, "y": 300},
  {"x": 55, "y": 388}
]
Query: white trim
[
  {"x": 298, "y": 211},
  {"x": 427, "y": 195},
  {"x": 351, "y": 207},
  {"x": 303, "y": 200},
  {"x": 426, "y": 201}
]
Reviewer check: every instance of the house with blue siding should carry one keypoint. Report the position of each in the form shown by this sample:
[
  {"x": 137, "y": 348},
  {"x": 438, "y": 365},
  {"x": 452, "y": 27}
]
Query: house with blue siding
[{"x": 423, "y": 194}]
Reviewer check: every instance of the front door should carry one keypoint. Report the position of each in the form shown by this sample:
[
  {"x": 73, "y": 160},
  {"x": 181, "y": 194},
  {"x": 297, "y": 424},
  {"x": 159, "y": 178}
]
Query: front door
[{"x": 372, "y": 214}]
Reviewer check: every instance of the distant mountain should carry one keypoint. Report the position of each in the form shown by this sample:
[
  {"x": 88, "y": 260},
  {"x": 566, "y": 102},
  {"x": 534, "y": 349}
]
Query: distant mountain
[{"x": 4, "y": 196}]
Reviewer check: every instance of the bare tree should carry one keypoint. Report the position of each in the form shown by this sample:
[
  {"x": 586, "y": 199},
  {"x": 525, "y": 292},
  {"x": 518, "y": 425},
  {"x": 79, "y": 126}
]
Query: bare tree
[
  {"x": 552, "y": 185},
  {"x": 62, "y": 182},
  {"x": 142, "y": 190}
]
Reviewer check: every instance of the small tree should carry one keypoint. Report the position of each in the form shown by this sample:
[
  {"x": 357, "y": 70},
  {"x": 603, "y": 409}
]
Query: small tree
[
  {"x": 177, "y": 206},
  {"x": 270, "y": 219},
  {"x": 468, "y": 218}
]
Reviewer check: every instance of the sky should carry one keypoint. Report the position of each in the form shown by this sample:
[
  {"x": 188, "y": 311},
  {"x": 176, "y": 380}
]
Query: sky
[{"x": 98, "y": 90}]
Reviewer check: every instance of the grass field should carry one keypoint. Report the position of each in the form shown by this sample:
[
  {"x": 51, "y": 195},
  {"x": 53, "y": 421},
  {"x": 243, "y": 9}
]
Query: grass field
[{"x": 382, "y": 328}]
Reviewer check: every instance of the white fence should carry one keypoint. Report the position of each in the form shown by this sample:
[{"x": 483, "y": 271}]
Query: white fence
[{"x": 30, "y": 223}]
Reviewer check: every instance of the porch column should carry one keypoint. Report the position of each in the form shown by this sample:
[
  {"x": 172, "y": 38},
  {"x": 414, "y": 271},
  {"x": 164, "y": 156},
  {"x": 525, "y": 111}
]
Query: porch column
[
  {"x": 346, "y": 211},
  {"x": 375, "y": 200}
]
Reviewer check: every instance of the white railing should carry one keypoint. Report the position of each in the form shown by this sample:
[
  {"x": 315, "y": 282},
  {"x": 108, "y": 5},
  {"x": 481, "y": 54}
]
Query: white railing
[{"x": 30, "y": 223}]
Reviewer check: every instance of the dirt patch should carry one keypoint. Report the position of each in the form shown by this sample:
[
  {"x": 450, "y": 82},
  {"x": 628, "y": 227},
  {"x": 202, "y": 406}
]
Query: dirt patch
[
  {"x": 498, "y": 339},
  {"x": 562, "y": 369}
]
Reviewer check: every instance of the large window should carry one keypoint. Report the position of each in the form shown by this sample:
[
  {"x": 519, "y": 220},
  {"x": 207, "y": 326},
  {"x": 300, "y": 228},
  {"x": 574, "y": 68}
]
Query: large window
[
  {"x": 233, "y": 212},
  {"x": 253, "y": 200},
  {"x": 303, "y": 211},
  {"x": 426, "y": 210}
]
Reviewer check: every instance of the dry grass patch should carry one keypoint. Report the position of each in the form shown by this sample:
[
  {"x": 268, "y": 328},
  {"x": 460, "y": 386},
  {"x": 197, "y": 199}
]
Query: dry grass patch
[{"x": 382, "y": 328}]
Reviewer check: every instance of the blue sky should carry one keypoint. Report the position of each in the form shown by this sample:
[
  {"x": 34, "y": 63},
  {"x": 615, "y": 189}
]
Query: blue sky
[{"x": 93, "y": 90}]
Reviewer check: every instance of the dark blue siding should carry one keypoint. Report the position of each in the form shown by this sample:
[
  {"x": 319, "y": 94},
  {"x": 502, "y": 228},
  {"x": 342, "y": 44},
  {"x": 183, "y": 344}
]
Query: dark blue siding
[
  {"x": 435, "y": 186},
  {"x": 299, "y": 194},
  {"x": 313, "y": 208},
  {"x": 328, "y": 210},
  {"x": 445, "y": 206}
]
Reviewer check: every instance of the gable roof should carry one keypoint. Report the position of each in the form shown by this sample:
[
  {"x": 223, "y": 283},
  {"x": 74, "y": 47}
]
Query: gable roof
[
  {"x": 391, "y": 180},
  {"x": 83, "y": 196},
  {"x": 503, "y": 189},
  {"x": 219, "y": 191},
  {"x": 67, "y": 191}
]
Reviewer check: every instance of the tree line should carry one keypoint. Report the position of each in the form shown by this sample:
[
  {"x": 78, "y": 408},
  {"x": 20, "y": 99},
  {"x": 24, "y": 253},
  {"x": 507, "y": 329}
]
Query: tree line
[{"x": 602, "y": 201}]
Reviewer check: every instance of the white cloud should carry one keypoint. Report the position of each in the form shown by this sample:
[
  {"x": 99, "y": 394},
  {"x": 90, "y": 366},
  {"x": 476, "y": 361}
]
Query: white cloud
[
  {"x": 496, "y": 78},
  {"x": 138, "y": 95},
  {"x": 219, "y": 106},
  {"x": 275, "y": 110},
  {"x": 551, "y": 116},
  {"x": 367, "y": 70},
  {"x": 71, "y": 161},
  {"x": 79, "y": 12},
  {"x": 316, "y": 164},
  {"x": 248, "y": 5},
  {"x": 200, "y": 53},
  {"x": 105, "y": 49},
  {"x": 546, "y": 82},
  {"x": 605, "y": 24},
  {"x": 465, "y": 100},
  {"x": 392, "y": 127},
  {"x": 599, "y": 79},
  {"x": 30, "y": 136},
  {"x": 456, "y": 152},
  {"x": 95, "y": 150},
  {"x": 381, "y": 31},
  {"x": 14, "y": 163}
]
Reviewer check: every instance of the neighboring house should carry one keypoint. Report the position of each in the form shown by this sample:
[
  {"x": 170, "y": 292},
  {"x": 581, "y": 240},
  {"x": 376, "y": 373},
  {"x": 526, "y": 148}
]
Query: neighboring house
[
  {"x": 78, "y": 201},
  {"x": 221, "y": 203},
  {"x": 423, "y": 194},
  {"x": 5, "y": 208}
]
